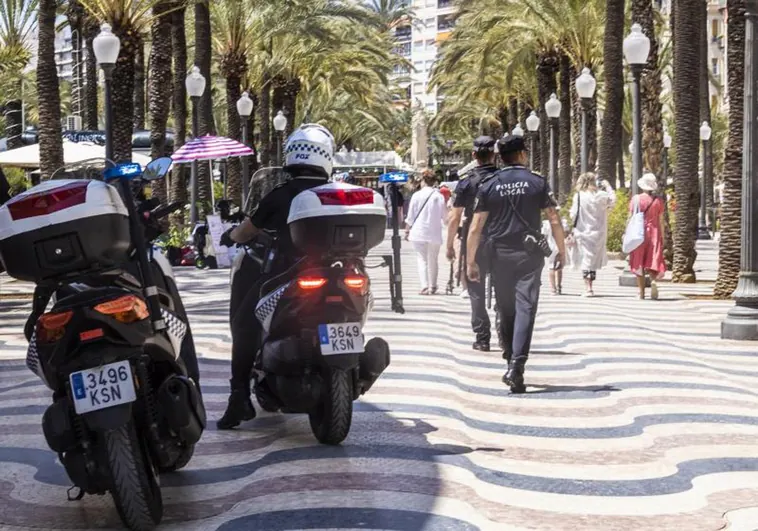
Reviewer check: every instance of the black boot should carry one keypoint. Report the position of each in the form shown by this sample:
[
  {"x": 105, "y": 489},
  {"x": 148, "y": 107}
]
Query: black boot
[
  {"x": 239, "y": 410},
  {"x": 481, "y": 346},
  {"x": 514, "y": 378}
]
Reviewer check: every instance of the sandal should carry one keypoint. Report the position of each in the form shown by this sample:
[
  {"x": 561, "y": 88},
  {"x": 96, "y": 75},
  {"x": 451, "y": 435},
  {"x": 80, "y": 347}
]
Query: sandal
[
  {"x": 424, "y": 291},
  {"x": 434, "y": 290}
]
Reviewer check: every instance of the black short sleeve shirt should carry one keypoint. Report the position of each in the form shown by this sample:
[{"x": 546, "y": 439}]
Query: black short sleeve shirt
[
  {"x": 468, "y": 187},
  {"x": 513, "y": 189}
]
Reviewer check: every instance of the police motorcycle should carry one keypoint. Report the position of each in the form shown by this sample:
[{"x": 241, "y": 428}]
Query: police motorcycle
[
  {"x": 314, "y": 358},
  {"x": 124, "y": 406}
]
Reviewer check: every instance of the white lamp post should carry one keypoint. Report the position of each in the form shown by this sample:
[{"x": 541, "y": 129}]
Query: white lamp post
[
  {"x": 518, "y": 131},
  {"x": 280, "y": 124},
  {"x": 107, "y": 47},
  {"x": 553, "y": 110},
  {"x": 705, "y": 137},
  {"x": 585, "y": 88},
  {"x": 195, "y": 84},
  {"x": 532, "y": 125},
  {"x": 245, "y": 109},
  {"x": 636, "y": 51}
]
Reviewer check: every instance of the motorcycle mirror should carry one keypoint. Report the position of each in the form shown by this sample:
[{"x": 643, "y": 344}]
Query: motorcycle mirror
[{"x": 157, "y": 169}]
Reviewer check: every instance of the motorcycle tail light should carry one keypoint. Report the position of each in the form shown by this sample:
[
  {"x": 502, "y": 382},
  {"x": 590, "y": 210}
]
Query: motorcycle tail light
[
  {"x": 127, "y": 309},
  {"x": 311, "y": 283},
  {"x": 356, "y": 283},
  {"x": 48, "y": 201},
  {"x": 52, "y": 326},
  {"x": 350, "y": 197}
]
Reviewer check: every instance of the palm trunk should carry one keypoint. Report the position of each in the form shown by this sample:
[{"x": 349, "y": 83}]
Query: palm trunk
[
  {"x": 512, "y": 113},
  {"x": 731, "y": 208},
  {"x": 265, "y": 118},
  {"x": 13, "y": 125},
  {"x": 614, "y": 90},
  {"x": 50, "y": 141},
  {"x": 206, "y": 124},
  {"x": 234, "y": 130},
  {"x": 179, "y": 52},
  {"x": 705, "y": 103},
  {"x": 160, "y": 87},
  {"x": 547, "y": 66},
  {"x": 123, "y": 94},
  {"x": 291, "y": 90},
  {"x": 687, "y": 114},
  {"x": 91, "y": 90},
  {"x": 139, "y": 86},
  {"x": 564, "y": 129},
  {"x": 502, "y": 116}
]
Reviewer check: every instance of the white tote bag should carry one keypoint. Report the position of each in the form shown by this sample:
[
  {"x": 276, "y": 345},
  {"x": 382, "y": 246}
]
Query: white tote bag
[{"x": 634, "y": 235}]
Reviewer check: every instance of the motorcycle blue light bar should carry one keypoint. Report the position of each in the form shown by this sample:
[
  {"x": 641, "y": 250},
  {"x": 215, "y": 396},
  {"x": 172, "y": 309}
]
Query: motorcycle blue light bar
[
  {"x": 394, "y": 177},
  {"x": 130, "y": 169}
]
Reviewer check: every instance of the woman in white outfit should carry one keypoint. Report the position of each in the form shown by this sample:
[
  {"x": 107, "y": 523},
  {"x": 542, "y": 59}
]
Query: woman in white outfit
[
  {"x": 427, "y": 214},
  {"x": 589, "y": 216}
]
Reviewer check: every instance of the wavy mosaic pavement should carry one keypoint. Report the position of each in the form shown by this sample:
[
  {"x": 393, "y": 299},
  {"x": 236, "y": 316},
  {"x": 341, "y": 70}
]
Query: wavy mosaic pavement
[{"x": 637, "y": 417}]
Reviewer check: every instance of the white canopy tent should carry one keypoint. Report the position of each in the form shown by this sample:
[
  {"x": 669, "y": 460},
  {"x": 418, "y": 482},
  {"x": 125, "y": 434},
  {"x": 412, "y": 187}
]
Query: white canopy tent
[
  {"x": 344, "y": 160},
  {"x": 28, "y": 156}
]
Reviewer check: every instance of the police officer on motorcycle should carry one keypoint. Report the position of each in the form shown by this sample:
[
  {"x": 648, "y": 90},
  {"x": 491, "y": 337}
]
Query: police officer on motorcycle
[
  {"x": 511, "y": 204},
  {"x": 463, "y": 207},
  {"x": 309, "y": 153}
]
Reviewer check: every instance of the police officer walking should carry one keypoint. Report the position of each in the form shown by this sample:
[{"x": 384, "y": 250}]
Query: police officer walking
[
  {"x": 463, "y": 207},
  {"x": 510, "y": 203}
]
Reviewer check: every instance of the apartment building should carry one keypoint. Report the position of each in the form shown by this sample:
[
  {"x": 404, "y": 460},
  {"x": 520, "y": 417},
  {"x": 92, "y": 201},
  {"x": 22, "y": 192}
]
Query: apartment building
[{"x": 419, "y": 43}]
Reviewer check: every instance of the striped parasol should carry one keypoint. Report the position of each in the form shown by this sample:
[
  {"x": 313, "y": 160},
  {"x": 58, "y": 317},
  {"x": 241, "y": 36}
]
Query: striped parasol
[{"x": 210, "y": 148}]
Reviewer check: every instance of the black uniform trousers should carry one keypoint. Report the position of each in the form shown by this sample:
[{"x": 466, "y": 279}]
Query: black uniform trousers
[
  {"x": 516, "y": 276},
  {"x": 480, "y": 319},
  {"x": 246, "y": 329}
]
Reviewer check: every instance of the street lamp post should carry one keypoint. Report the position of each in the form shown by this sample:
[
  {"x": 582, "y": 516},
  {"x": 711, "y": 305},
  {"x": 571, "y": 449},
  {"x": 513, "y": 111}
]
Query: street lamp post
[
  {"x": 705, "y": 137},
  {"x": 245, "y": 109},
  {"x": 280, "y": 124},
  {"x": 585, "y": 88},
  {"x": 636, "y": 51},
  {"x": 532, "y": 125},
  {"x": 518, "y": 130},
  {"x": 553, "y": 110},
  {"x": 742, "y": 320},
  {"x": 107, "y": 47},
  {"x": 195, "y": 84}
]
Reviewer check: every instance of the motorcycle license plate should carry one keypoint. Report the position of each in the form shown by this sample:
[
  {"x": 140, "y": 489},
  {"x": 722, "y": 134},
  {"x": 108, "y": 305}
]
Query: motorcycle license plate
[
  {"x": 102, "y": 387},
  {"x": 343, "y": 338}
]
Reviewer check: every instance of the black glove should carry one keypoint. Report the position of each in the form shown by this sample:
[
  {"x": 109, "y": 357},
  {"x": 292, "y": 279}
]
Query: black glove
[{"x": 226, "y": 239}]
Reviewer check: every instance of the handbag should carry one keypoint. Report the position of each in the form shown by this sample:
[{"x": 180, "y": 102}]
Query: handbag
[
  {"x": 534, "y": 241},
  {"x": 634, "y": 234}
]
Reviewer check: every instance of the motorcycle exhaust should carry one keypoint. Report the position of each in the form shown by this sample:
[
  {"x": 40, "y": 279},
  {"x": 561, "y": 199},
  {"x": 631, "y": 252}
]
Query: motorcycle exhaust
[
  {"x": 179, "y": 401},
  {"x": 374, "y": 360}
]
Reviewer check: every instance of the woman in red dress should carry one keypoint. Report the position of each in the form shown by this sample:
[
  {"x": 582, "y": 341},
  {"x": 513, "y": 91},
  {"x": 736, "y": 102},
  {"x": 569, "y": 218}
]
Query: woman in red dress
[{"x": 647, "y": 259}]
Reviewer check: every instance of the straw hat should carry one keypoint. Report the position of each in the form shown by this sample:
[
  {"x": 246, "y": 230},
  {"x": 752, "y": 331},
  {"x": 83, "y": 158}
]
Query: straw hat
[{"x": 648, "y": 183}]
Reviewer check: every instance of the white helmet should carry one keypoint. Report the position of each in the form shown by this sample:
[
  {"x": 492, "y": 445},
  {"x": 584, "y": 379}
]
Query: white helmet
[{"x": 310, "y": 146}]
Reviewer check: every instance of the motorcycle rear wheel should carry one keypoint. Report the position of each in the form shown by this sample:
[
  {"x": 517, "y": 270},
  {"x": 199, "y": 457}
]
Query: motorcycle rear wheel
[
  {"x": 134, "y": 485},
  {"x": 331, "y": 420}
]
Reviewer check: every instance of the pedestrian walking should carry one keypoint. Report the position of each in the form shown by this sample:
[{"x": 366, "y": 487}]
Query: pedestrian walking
[
  {"x": 588, "y": 239},
  {"x": 647, "y": 259},
  {"x": 555, "y": 266},
  {"x": 463, "y": 211},
  {"x": 427, "y": 214},
  {"x": 511, "y": 204}
]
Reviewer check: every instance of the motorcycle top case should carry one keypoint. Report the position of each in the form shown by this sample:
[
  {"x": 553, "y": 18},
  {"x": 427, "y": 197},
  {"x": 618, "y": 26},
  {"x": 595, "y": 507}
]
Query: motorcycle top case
[
  {"x": 338, "y": 219},
  {"x": 63, "y": 227}
]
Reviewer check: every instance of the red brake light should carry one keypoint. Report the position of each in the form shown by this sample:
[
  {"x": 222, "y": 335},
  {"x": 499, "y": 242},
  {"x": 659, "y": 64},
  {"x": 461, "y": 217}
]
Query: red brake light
[
  {"x": 48, "y": 201},
  {"x": 357, "y": 283},
  {"x": 346, "y": 197},
  {"x": 309, "y": 283}
]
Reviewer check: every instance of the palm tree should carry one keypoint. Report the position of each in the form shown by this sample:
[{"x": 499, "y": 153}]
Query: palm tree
[
  {"x": 392, "y": 13},
  {"x": 179, "y": 99},
  {"x": 160, "y": 89},
  {"x": 206, "y": 123},
  {"x": 139, "y": 87},
  {"x": 90, "y": 30},
  {"x": 50, "y": 141},
  {"x": 232, "y": 22},
  {"x": 687, "y": 115},
  {"x": 565, "y": 173},
  {"x": 731, "y": 208},
  {"x": 651, "y": 88},
  {"x": 613, "y": 69},
  {"x": 705, "y": 100},
  {"x": 18, "y": 20},
  {"x": 129, "y": 20}
]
